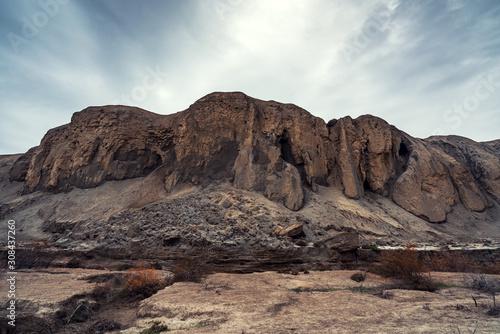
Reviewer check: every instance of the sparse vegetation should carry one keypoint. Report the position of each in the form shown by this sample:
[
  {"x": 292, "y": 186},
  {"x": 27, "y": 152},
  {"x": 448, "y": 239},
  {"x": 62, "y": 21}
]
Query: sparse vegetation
[
  {"x": 210, "y": 323},
  {"x": 361, "y": 289},
  {"x": 457, "y": 330},
  {"x": 278, "y": 307},
  {"x": 143, "y": 281},
  {"x": 101, "y": 291},
  {"x": 79, "y": 308},
  {"x": 459, "y": 261},
  {"x": 359, "y": 276},
  {"x": 402, "y": 263},
  {"x": 107, "y": 288},
  {"x": 189, "y": 270},
  {"x": 452, "y": 261},
  {"x": 489, "y": 286},
  {"x": 301, "y": 289},
  {"x": 103, "y": 310},
  {"x": 156, "y": 328},
  {"x": 374, "y": 248},
  {"x": 440, "y": 285},
  {"x": 406, "y": 265},
  {"x": 81, "y": 313}
]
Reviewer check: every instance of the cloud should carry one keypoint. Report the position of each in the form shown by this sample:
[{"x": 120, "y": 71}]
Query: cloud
[{"x": 412, "y": 61}]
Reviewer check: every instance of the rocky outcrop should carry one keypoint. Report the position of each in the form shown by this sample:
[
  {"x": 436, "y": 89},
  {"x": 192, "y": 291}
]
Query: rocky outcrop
[
  {"x": 100, "y": 144},
  {"x": 435, "y": 181},
  {"x": 291, "y": 231},
  {"x": 368, "y": 154},
  {"x": 260, "y": 146},
  {"x": 344, "y": 242},
  {"x": 264, "y": 146}
]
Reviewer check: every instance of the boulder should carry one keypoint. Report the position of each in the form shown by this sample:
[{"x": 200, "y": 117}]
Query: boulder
[
  {"x": 277, "y": 230},
  {"x": 226, "y": 204},
  {"x": 292, "y": 230},
  {"x": 344, "y": 242}
]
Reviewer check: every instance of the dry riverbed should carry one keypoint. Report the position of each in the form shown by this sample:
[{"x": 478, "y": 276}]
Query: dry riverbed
[{"x": 267, "y": 302}]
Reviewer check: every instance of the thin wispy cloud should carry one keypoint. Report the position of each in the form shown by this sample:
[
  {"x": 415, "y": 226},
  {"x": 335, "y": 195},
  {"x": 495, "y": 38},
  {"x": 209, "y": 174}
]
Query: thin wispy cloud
[{"x": 411, "y": 63}]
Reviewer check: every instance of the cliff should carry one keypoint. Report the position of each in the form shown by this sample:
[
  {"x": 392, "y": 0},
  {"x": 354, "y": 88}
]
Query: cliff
[{"x": 267, "y": 147}]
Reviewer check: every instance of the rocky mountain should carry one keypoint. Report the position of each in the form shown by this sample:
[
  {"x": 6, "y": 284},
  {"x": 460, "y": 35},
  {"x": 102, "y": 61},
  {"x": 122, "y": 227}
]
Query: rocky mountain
[{"x": 231, "y": 169}]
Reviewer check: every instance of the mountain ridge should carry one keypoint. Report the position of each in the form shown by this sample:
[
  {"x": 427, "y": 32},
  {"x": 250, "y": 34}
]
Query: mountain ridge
[
  {"x": 264, "y": 146},
  {"x": 222, "y": 179}
]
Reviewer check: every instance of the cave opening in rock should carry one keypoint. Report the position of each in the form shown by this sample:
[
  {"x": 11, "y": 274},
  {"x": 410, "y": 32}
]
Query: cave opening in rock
[
  {"x": 403, "y": 150},
  {"x": 286, "y": 149},
  {"x": 366, "y": 185}
]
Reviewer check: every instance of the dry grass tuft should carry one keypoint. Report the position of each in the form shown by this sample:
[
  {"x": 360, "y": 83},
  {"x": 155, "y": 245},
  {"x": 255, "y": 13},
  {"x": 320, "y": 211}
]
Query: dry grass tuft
[
  {"x": 406, "y": 265},
  {"x": 143, "y": 281},
  {"x": 188, "y": 270}
]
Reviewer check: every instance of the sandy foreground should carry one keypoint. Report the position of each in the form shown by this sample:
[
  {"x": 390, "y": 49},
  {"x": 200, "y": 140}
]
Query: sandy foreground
[{"x": 270, "y": 302}]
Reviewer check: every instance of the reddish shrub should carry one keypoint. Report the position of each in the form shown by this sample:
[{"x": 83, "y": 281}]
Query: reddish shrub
[
  {"x": 402, "y": 263},
  {"x": 452, "y": 261},
  {"x": 141, "y": 280}
]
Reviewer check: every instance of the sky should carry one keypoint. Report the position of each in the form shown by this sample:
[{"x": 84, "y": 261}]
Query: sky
[{"x": 427, "y": 67}]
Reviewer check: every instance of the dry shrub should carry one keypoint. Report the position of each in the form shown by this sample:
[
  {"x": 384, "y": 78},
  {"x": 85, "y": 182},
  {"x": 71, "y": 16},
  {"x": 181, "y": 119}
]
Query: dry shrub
[
  {"x": 40, "y": 245},
  {"x": 143, "y": 281},
  {"x": 405, "y": 264},
  {"x": 453, "y": 261},
  {"x": 488, "y": 285},
  {"x": 188, "y": 270},
  {"x": 101, "y": 291},
  {"x": 493, "y": 268},
  {"x": 358, "y": 277},
  {"x": 402, "y": 263},
  {"x": 156, "y": 327},
  {"x": 460, "y": 261}
]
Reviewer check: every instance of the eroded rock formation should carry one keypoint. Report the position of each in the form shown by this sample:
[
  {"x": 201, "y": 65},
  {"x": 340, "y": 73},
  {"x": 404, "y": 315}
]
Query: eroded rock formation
[{"x": 264, "y": 146}]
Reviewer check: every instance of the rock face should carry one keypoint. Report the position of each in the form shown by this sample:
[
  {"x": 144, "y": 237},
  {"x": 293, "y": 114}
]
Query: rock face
[
  {"x": 292, "y": 231},
  {"x": 344, "y": 242},
  {"x": 264, "y": 146},
  {"x": 440, "y": 175}
]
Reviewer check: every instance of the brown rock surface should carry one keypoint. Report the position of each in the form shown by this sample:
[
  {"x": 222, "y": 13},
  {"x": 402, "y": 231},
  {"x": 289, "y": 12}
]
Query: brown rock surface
[
  {"x": 359, "y": 173},
  {"x": 435, "y": 181},
  {"x": 344, "y": 242},
  {"x": 368, "y": 155},
  {"x": 262, "y": 146},
  {"x": 292, "y": 230}
]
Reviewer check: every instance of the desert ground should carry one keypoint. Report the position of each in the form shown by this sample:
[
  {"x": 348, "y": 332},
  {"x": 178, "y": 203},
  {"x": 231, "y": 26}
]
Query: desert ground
[{"x": 261, "y": 302}]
